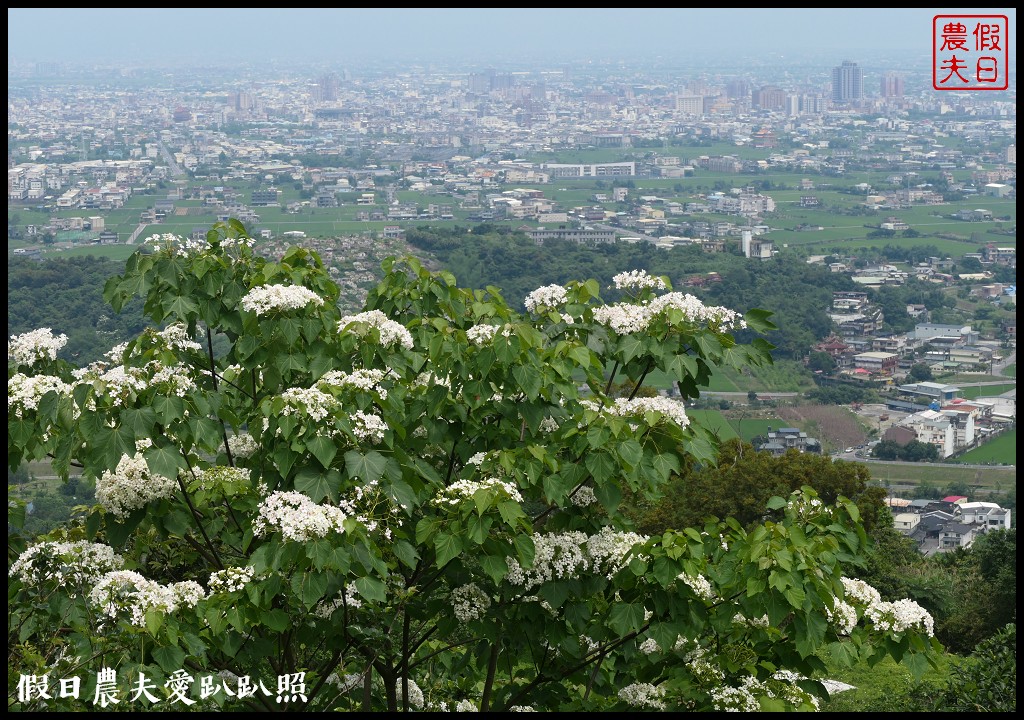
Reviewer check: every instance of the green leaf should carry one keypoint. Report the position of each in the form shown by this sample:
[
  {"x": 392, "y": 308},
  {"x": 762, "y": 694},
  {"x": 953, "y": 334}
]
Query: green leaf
[
  {"x": 119, "y": 532},
  {"x": 447, "y": 547},
  {"x": 528, "y": 379},
  {"x": 371, "y": 588},
  {"x": 318, "y": 485},
  {"x": 757, "y": 320},
  {"x": 276, "y": 619},
  {"x": 406, "y": 553},
  {"x": 608, "y": 495},
  {"x": 139, "y": 421},
  {"x": 164, "y": 460},
  {"x": 323, "y": 449},
  {"x": 169, "y": 658},
  {"x": 310, "y": 587},
  {"x": 601, "y": 466},
  {"x": 525, "y": 550},
  {"x": 555, "y": 592},
  {"x": 369, "y": 467},
  {"x": 495, "y": 566},
  {"x": 625, "y": 618},
  {"x": 631, "y": 451},
  {"x": 510, "y": 511},
  {"x": 154, "y": 620}
]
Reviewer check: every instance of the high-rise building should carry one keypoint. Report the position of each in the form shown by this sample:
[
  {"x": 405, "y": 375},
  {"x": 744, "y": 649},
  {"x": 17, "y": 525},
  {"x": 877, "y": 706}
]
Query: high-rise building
[
  {"x": 892, "y": 85},
  {"x": 770, "y": 97},
  {"x": 847, "y": 83},
  {"x": 328, "y": 86}
]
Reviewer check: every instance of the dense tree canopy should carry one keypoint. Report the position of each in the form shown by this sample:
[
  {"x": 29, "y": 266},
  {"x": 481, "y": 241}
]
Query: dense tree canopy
[
  {"x": 418, "y": 506},
  {"x": 66, "y": 294}
]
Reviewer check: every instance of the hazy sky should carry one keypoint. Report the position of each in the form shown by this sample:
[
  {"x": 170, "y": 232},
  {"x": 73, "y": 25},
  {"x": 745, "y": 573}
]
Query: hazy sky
[{"x": 197, "y": 36}]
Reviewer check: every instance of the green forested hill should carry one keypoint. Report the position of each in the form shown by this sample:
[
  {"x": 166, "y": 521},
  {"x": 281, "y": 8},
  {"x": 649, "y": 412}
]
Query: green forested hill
[
  {"x": 66, "y": 295},
  {"x": 798, "y": 293}
]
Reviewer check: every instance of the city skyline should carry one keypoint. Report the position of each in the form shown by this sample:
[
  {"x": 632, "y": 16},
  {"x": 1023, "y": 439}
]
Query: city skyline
[{"x": 154, "y": 36}]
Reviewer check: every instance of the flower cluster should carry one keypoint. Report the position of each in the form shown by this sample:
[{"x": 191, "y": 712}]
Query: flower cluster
[
  {"x": 569, "y": 554},
  {"x": 368, "y": 380},
  {"x": 637, "y": 280},
  {"x": 233, "y": 579},
  {"x": 126, "y": 593},
  {"x": 174, "y": 246},
  {"x": 546, "y": 298},
  {"x": 643, "y": 695},
  {"x": 314, "y": 403},
  {"x": 346, "y": 683},
  {"x": 584, "y": 496},
  {"x": 461, "y": 490},
  {"x": 737, "y": 699},
  {"x": 416, "y": 699},
  {"x": 346, "y": 597},
  {"x": 674, "y": 410},
  {"x": 368, "y": 427},
  {"x": 70, "y": 564},
  {"x": 173, "y": 337},
  {"x": 281, "y": 298},
  {"x": 844, "y": 616},
  {"x": 466, "y": 706},
  {"x": 625, "y": 318},
  {"x": 297, "y": 517},
  {"x": 895, "y": 617},
  {"x": 481, "y": 334},
  {"x": 35, "y": 345},
  {"x": 121, "y": 383},
  {"x": 470, "y": 602},
  {"x": 761, "y": 622},
  {"x": 24, "y": 392},
  {"x": 700, "y": 586},
  {"x": 131, "y": 486},
  {"x": 607, "y": 549},
  {"x": 805, "y": 507},
  {"x": 242, "y": 445},
  {"x": 391, "y": 332},
  {"x": 900, "y": 616}
]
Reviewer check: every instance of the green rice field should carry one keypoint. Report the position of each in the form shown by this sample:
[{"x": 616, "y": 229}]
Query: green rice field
[{"x": 1001, "y": 450}]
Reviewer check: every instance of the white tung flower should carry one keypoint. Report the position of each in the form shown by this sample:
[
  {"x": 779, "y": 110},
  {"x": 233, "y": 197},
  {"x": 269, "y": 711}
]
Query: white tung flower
[
  {"x": 242, "y": 445},
  {"x": 70, "y": 564},
  {"x": 24, "y": 392},
  {"x": 636, "y": 280},
  {"x": 269, "y": 298},
  {"x": 35, "y": 345},
  {"x": 126, "y": 593},
  {"x": 368, "y": 380},
  {"x": 368, "y": 427},
  {"x": 844, "y": 616},
  {"x": 700, "y": 586},
  {"x": 131, "y": 486},
  {"x": 546, "y": 298},
  {"x": 481, "y": 334},
  {"x": 462, "y": 490},
  {"x": 391, "y": 332},
  {"x": 314, "y": 403},
  {"x": 297, "y": 517},
  {"x": 643, "y": 695},
  {"x": 470, "y": 602},
  {"x": 232, "y": 579}
]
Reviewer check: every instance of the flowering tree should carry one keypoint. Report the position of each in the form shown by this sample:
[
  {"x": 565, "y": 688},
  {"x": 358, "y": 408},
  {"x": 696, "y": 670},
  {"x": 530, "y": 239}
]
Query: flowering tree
[{"x": 414, "y": 507}]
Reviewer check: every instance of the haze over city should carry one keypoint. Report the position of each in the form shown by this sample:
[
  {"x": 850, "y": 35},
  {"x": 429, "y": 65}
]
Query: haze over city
[{"x": 701, "y": 36}]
